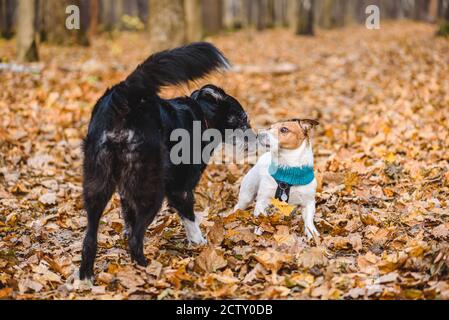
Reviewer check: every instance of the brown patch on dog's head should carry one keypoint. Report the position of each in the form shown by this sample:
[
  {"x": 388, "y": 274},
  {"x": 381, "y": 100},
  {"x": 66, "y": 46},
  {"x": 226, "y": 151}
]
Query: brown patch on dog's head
[{"x": 292, "y": 133}]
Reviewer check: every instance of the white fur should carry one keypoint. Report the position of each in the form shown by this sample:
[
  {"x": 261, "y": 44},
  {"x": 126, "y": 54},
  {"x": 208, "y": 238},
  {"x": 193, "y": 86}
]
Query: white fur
[
  {"x": 259, "y": 185},
  {"x": 193, "y": 231}
]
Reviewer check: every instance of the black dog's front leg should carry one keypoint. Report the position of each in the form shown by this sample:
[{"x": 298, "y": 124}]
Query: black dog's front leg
[{"x": 183, "y": 202}]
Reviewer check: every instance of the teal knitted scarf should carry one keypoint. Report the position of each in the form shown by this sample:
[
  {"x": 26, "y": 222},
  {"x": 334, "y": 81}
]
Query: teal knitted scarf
[{"x": 294, "y": 176}]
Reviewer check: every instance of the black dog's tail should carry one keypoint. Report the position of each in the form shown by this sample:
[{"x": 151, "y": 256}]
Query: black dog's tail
[{"x": 174, "y": 67}]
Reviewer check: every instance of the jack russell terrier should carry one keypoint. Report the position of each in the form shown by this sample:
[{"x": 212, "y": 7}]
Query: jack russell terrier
[{"x": 285, "y": 173}]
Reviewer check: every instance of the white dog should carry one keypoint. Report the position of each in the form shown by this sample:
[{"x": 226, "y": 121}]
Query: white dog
[{"x": 285, "y": 173}]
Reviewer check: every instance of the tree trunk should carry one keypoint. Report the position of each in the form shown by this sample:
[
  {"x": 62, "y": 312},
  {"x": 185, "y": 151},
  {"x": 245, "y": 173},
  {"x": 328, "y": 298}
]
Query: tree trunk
[
  {"x": 212, "y": 16},
  {"x": 167, "y": 24},
  {"x": 8, "y": 8},
  {"x": 257, "y": 17},
  {"x": 54, "y": 24},
  {"x": 339, "y": 13},
  {"x": 325, "y": 19},
  {"x": 262, "y": 14},
  {"x": 302, "y": 16},
  {"x": 193, "y": 20},
  {"x": 350, "y": 14},
  {"x": 143, "y": 10},
  {"x": 407, "y": 8},
  {"x": 245, "y": 13},
  {"x": 82, "y": 35},
  {"x": 444, "y": 25},
  {"x": 229, "y": 13},
  {"x": 117, "y": 13},
  {"x": 27, "y": 47},
  {"x": 106, "y": 15},
  {"x": 2, "y": 18},
  {"x": 421, "y": 10},
  {"x": 94, "y": 12},
  {"x": 433, "y": 11},
  {"x": 393, "y": 9},
  {"x": 240, "y": 14},
  {"x": 281, "y": 13},
  {"x": 130, "y": 8}
]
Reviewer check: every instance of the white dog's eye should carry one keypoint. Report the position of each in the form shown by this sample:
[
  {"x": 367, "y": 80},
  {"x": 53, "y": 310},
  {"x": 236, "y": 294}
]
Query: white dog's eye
[{"x": 284, "y": 130}]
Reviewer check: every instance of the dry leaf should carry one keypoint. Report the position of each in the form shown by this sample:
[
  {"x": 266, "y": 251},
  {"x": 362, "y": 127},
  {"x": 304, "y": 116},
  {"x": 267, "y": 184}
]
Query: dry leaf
[{"x": 210, "y": 260}]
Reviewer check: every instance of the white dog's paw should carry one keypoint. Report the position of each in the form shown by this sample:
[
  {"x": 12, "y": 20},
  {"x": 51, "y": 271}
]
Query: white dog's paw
[
  {"x": 198, "y": 241},
  {"x": 194, "y": 234},
  {"x": 260, "y": 212},
  {"x": 237, "y": 208},
  {"x": 311, "y": 232}
]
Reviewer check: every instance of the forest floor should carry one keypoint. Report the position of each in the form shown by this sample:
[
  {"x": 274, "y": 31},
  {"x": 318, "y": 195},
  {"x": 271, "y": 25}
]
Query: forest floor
[{"x": 382, "y": 153}]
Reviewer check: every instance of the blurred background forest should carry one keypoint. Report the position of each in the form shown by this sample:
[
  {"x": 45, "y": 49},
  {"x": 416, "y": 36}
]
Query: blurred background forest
[{"x": 174, "y": 22}]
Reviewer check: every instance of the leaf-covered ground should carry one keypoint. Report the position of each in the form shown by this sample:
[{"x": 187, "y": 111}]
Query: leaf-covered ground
[{"x": 382, "y": 151}]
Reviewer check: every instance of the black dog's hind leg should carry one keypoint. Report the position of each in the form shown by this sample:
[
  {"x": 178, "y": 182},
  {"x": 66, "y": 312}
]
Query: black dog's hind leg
[
  {"x": 144, "y": 217},
  {"x": 129, "y": 215},
  {"x": 143, "y": 193},
  {"x": 98, "y": 190},
  {"x": 183, "y": 202}
]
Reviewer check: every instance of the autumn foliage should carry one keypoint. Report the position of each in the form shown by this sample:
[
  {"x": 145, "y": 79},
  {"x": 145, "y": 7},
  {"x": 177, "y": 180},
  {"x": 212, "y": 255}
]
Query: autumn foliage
[{"x": 382, "y": 99}]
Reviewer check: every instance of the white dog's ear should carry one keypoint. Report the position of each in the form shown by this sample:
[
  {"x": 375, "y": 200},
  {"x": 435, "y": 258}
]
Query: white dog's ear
[{"x": 308, "y": 125}]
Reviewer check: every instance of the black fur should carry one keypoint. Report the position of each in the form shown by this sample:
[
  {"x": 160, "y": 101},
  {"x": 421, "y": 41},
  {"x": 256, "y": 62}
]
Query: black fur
[{"x": 127, "y": 146}]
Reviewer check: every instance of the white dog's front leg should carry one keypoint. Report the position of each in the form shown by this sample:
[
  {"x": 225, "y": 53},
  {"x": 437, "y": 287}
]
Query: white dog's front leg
[
  {"x": 193, "y": 231},
  {"x": 248, "y": 190},
  {"x": 261, "y": 208},
  {"x": 308, "y": 215},
  {"x": 245, "y": 200}
]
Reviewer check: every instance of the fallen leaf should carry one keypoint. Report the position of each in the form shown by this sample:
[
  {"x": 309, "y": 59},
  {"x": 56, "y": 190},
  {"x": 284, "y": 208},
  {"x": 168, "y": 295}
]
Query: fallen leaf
[
  {"x": 210, "y": 260},
  {"x": 48, "y": 199}
]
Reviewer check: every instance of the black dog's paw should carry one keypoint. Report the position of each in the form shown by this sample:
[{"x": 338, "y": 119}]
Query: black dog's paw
[
  {"x": 140, "y": 260},
  {"x": 85, "y": 274},
  {"x": 83, "y": 280}
]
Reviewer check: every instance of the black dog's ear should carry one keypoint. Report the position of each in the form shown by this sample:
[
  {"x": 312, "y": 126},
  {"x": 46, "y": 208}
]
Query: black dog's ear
[
  {"x": 308, "y": 124},
  {"x": 212, "y": 92},
  {"x": 195, "y": 95}
]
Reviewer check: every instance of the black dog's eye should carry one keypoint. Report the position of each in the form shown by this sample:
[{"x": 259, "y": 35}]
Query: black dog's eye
[{"x": 284, "y": 130}]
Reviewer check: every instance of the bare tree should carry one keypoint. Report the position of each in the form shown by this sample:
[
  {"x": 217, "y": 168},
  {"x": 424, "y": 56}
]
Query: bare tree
[
  {"x": 433, "y": 11},
  {"x": 193, "y": 20},
  {"x": 302, "y": 16},
  {"x": 7, "y": 9},
  {"x": 444, "y": 12},
  {"x": 94, "y": 15},
  {"x": 421, "y": 9},
  {"x": 351, "y": 11},
  {"x": 142, "y": 9},
  {"x": 212, "y": 16},
  {"x": 111, "y": 14},
  {"x": 54, "y": 26},
  {"x": 324, "y": 9},
  {"x": 281, "y": 13},
  {"x": 27, "y": 47},
  {"x": 167, "y": 24}
]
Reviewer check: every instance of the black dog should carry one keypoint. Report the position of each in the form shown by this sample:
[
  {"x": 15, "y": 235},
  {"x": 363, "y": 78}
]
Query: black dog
[{"x": 127, "y": 147}]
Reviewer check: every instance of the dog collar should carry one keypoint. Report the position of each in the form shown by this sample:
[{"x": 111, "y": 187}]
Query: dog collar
[
  {"x": 287, "y": 177},
  {"x": 293, "y": 176}
]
